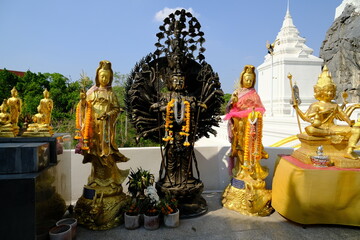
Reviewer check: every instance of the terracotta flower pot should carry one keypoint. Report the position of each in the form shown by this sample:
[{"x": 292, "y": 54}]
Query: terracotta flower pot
[
  {"x": 151, "y": 222},
  {"x": 69, "y": 221},
  {"x": 172, "y": 219},
  {"x": 131, "y": 222},
  {"x": 61, "y": 232}
]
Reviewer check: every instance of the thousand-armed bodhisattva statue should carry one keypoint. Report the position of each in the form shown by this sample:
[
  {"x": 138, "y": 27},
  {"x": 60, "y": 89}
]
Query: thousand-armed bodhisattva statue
[{"x": 174, "y": 98}]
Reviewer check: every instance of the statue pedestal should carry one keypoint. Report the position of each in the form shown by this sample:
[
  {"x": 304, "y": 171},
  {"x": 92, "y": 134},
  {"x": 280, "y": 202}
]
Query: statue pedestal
[
  {"x": 250, "y": 202},
  {"x": 333, "y": 146},
  {"x": 57, "y": 143},
  {"x": 31, "y": 203},
  {"x": 23, "y": 157},
  {"x": 38, "y": 130},
  {"x": 7, "y": 132},
  {"x": 101, "y": 208},
  {"x": 190, "y": 202},
  {"x": 312, "y": 195}
]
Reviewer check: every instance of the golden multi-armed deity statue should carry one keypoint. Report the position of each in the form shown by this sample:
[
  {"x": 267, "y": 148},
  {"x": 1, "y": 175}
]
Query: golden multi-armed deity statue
[
  {"x": 244, "y": 112},
  {"x": 41, "y": 121},
  {"x": 6, "y": 129},
  {"x": 100, "y": 206},
  {"x": 338, "y": 141}
]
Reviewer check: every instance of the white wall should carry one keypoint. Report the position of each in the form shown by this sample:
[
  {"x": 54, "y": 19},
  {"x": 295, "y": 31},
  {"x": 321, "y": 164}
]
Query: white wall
[{"x": 212, "y": 161}]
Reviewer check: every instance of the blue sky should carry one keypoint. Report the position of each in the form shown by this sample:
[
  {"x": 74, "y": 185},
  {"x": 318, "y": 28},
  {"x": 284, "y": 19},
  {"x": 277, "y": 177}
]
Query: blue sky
[{"x": 72, "y": 36}]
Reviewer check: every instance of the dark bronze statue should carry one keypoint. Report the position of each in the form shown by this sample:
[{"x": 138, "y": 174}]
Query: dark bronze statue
[{"x": 174, "y": 98}]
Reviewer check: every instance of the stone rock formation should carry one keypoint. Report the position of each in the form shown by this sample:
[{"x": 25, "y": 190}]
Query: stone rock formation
[{"x": 341, "y": 52}]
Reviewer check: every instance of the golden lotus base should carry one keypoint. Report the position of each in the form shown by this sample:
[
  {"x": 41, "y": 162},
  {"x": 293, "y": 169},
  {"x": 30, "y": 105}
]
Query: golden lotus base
[
  {"x": 36, "y": 130},
  {"x": 256, "y": 202},
  {"x": 101, "y": 213},
  {"x": 335, "y": 151},
  {"x": 6, "y": 133}
]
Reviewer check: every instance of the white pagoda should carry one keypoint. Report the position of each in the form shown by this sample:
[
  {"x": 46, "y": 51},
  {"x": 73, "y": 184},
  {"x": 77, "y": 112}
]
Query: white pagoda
[{"x": 289, "y": 55}]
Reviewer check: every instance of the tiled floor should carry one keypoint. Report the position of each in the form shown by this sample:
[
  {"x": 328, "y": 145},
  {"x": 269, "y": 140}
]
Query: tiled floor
[{"x": 221, "y": 223}]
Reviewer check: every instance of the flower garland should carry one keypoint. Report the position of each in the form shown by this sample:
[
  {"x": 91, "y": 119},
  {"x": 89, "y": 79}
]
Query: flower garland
[
  {"x": 78, "y": 122},
  {"x": 87, "y": 128},
  {"x": 253, "y": 139},
  {"x": 186, "y": 128},
  {"x": 169, "y": 121}
]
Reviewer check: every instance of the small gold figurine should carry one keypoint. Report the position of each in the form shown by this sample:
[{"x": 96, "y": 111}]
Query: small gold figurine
[
  {"x": 6, "y": 129},
  {"x": 99, "y": 208},
  {"x": 338, "y": 141},
  {"x": 41, "y": 121},
  {"x": 15, "y": 105},
  {"x": 244, "y": 113}
]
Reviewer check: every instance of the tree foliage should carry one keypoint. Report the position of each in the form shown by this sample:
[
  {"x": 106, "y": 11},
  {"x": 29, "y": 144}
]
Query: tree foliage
[
  {"x": 65, "y": 95},
  {"x": 7, "y": 81},
  {"x": 31, "y": 87},
  {"x": 227, "y": 97},
  {"x": 126, "y": 133}
]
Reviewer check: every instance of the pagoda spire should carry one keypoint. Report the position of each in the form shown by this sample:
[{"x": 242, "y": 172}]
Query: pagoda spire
[
  {"x": 288, "y": 7},
  {"x": 288, "y": 21}
]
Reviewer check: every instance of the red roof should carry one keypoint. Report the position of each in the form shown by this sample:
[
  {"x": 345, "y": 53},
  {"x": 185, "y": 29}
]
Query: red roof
[{"x": 17, "y": 73}]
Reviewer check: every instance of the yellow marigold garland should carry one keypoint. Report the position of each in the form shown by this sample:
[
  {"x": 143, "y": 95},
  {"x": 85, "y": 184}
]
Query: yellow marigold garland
[
  {"x": 186, "y": 127},
  {"x": 78, "y": 121},
  {"x": 169, "y": 122},
  {"x": 255, "y": 147},
  {"x": 87, "y": 128}
]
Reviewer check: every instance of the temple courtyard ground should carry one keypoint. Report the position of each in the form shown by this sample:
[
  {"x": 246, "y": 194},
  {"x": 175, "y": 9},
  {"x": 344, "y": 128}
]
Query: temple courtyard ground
[{"x": 221, "y": 223}]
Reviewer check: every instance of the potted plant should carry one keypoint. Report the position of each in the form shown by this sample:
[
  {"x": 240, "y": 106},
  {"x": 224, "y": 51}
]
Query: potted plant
[
  {"x": 139, "y": 181},
  {"x": 169, "y": 208},
  {"x": 151, "y": 208},
  {"x": 132, "y": 214}
]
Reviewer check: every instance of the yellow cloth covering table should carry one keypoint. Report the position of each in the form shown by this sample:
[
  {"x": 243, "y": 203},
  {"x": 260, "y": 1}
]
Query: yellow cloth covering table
[{"x": 311, "y": 195}]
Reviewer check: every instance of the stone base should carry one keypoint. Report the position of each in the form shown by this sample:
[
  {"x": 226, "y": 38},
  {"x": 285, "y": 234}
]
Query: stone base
[
  {"x": 190, "y": 202},
  {"x": 334, "y": 148},
  {"x": 103, "y": 212},
  {"x": 7, "y": 133},
  {"x": 31, "y": 203},
  {"x": 23, "y": 157},
  {"x": 256, "y": 202},
  {"x": 35, "y": 130},
  {"x": 37, "y": 134}
]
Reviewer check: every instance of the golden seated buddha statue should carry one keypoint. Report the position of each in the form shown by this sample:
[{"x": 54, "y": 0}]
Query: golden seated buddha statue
[
  {"x": 6, "y": 129},
  {"x": 41, "y": 120},
  {"x": 338, "y": 141}
]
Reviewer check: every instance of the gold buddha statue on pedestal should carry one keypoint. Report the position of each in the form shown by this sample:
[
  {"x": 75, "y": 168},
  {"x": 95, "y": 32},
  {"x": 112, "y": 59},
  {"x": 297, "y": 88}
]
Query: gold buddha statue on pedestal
[
  {"x": 15, "y": 104},
  {"x": 6, "y": 129},
  {"x": 41, "y": 120},
  {"x": 338, "y": 141}
]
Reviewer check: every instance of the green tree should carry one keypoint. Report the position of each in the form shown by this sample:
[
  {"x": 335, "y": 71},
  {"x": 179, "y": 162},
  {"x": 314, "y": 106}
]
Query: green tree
[
  {"x": 31, "y": 88},
  {"x": 64, "y": 94},
  {"x": 7, "y": 81},
  {"x": 126, "y": 133},
  {"x": 227, "y": 97}
]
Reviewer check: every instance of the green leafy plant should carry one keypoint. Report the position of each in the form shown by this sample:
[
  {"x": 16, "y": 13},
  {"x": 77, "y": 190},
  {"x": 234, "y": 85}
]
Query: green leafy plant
[{"x": 138, "y": 181}]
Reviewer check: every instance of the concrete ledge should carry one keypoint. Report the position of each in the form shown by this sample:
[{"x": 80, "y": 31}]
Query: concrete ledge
[{"x": 212, "y": 162}]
